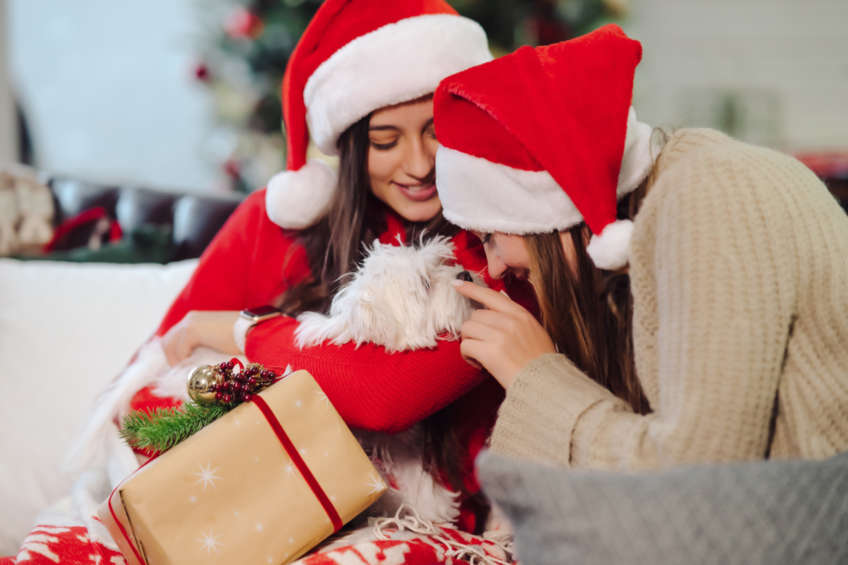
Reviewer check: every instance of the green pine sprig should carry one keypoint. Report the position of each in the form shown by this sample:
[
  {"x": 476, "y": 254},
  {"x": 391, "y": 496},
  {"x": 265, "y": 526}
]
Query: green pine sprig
[{"x": 166, "y": 427}]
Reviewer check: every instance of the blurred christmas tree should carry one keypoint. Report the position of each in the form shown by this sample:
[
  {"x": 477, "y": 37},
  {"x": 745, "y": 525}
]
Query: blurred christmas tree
[{"x": 245, "y": 44}]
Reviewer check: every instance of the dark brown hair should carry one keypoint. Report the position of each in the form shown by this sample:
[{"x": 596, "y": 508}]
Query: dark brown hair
[
  {"x": 588, "y": 312},
  {"x": 336, "y": 244}
]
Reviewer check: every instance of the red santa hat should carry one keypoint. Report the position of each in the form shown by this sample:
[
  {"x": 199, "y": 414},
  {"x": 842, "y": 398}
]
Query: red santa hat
[
  {"x": 357, "y": 56},
  {"x": 544, "y": 139}
]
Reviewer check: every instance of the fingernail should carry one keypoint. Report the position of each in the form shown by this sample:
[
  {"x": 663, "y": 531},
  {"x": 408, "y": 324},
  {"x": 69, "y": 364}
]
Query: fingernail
[{"x": 504, "y": 293}]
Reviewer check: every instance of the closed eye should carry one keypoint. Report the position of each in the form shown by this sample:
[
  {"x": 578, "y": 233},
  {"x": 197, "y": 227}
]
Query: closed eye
[{"x": 383, "y": 146}]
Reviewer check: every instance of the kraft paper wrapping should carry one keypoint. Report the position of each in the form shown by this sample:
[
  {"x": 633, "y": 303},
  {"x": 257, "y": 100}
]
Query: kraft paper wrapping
[{"x": 231, "y": 494}]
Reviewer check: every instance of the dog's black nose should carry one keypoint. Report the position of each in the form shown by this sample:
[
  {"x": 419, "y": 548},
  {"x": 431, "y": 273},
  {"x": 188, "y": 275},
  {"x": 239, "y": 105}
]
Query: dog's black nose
[{"x": 464, "y": 276}]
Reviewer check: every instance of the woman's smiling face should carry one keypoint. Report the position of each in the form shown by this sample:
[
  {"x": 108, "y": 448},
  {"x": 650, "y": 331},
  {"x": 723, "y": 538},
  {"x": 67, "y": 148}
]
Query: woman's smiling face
[{"x": 401, "y": 159}]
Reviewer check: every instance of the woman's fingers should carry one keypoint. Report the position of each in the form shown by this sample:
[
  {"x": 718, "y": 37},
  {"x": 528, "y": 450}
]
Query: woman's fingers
[
  {"x": 486, "y": 354},
  {"x": 472, "y": 329},
  {"x": 471, "y": 350},
  {"x": 487, "y": 297},
  {"x": 174, "y": 345},
  {"x": 491, "y": 318}
]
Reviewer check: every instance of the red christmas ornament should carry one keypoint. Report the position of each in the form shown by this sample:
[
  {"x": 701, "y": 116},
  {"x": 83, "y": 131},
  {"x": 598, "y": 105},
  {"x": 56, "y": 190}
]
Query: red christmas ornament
[
  {"x": 231, "y": 387},
  {"x": 232, "y": 168},
  {"x": 243, "y": 24},
  {"x": 201, "y": 72}
]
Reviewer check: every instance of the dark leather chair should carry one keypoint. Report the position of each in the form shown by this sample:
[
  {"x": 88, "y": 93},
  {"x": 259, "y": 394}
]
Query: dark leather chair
[{"x": 194, "y": 219}]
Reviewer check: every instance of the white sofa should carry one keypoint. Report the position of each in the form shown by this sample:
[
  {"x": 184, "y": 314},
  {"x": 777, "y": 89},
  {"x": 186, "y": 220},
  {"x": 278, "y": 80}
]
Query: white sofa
[{"x": 66, "y": 329}]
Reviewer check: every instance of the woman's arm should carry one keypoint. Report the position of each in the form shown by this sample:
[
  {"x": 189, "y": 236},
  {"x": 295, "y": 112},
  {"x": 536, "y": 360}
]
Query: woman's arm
[
  {"x": 249, "y": 263},
  {"x": 714, "y": 294},
  {"x": 370, "y": 388}
]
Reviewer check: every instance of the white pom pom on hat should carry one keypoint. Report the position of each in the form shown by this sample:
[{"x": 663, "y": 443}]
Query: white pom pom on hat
[
  {"x": 354, "y": 57},
  {"x": 610, "y": 249},
  {"x": 297, "y": 199}
]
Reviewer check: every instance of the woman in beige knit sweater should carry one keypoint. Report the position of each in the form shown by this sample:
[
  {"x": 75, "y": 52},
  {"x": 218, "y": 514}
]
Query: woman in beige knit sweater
[{"x": 712, "y": 327}]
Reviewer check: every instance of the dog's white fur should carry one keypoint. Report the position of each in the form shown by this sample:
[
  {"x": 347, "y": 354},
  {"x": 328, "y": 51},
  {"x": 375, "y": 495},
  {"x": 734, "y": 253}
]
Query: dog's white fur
[{"x": 401, "y": 297}]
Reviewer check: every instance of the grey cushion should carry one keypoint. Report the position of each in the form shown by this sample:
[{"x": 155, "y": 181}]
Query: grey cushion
[{"x": 771, "y": 512}]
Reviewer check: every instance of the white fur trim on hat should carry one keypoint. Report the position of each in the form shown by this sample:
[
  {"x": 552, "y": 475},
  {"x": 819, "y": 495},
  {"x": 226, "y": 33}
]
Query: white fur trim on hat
[
  {"x": 637, "y": 159},
  {"x": 478, "y": 194},
  {"x": 611, "y": 249},
  {"x": 395, "y": 63},
  {"x": 298, "y": 199}
]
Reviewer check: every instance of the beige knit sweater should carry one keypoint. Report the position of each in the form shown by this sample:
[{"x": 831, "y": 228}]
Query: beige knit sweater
[{"x": 739, "y": 275}]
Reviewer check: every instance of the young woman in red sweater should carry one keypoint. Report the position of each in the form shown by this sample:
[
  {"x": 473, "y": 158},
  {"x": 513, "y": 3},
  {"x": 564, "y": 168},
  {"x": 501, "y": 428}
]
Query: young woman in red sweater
[{"x": 359, "y": 84}]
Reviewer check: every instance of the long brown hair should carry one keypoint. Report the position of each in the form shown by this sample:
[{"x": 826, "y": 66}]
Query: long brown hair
[
  {"x": 336, "y": 244},
  {"x": 588, "y": 312}
]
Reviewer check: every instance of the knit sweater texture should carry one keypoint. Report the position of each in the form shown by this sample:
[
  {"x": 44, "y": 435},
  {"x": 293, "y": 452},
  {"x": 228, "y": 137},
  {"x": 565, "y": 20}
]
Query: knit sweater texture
[{"x": 739, "y": 277}]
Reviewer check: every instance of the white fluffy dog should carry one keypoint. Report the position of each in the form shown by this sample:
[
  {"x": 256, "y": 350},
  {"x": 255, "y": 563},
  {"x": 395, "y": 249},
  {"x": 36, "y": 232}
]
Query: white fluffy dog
[{"x": 401, "y": 297}]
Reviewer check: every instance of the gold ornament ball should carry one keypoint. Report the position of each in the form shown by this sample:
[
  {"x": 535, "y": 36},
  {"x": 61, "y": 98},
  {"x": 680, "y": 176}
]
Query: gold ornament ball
[{"x": 201, "y": 384}]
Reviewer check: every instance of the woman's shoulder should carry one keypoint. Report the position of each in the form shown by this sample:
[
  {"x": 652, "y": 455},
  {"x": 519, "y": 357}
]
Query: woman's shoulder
[
  {"x": 704, "y": 161},
  {"x": 254, "y": 205},
  {"x": 250, "y": 220},
  {"x": 689, "y": 147}
]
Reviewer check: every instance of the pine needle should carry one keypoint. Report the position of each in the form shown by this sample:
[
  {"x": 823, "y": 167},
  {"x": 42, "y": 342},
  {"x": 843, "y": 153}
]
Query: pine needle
[{"x": 166, "y": 427}]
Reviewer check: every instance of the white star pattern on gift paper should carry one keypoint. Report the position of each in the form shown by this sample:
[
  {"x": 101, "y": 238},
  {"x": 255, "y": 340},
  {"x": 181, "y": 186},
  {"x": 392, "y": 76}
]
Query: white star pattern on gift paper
[
  {"x": 375, "y": 484},
  {"x": 289, "y": 469},
  {"x": 259, "y": 527},
  {"x": 207, "y": 476},
  {"x": 209, "y": 541},
  {"x": 298, "y": 403}
]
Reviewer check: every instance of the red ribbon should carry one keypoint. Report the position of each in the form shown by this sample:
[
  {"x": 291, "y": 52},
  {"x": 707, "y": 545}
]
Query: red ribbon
[
  {"x": 115, "y": 516},
  {"x": 299, "y": 463}
]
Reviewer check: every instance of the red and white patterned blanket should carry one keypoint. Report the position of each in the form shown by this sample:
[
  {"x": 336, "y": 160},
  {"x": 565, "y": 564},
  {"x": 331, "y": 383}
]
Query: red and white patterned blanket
[{"x": 76, "y": 545}]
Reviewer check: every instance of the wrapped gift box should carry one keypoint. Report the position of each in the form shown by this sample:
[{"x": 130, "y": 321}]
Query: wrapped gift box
[{"x": 232, "y": 493}]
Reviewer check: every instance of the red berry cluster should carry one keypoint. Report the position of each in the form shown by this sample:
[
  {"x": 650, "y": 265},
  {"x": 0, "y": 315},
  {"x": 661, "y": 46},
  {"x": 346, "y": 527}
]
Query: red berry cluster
[{"x": 239, "y": 386}]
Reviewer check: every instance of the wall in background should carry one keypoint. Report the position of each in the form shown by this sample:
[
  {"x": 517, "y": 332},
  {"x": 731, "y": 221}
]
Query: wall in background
[
  {"x": 8, "y": 128},
  {"x": 777, "y": 70},
  {"x": 108, "y": 91},
  {"x": 109, "y": 94}
]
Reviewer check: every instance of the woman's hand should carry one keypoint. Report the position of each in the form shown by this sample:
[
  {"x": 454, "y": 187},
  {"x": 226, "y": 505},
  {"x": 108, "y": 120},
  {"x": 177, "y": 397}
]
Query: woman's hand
[
  {"x": 504, "y": 336},
  {"x": 213, "y": 329}
]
